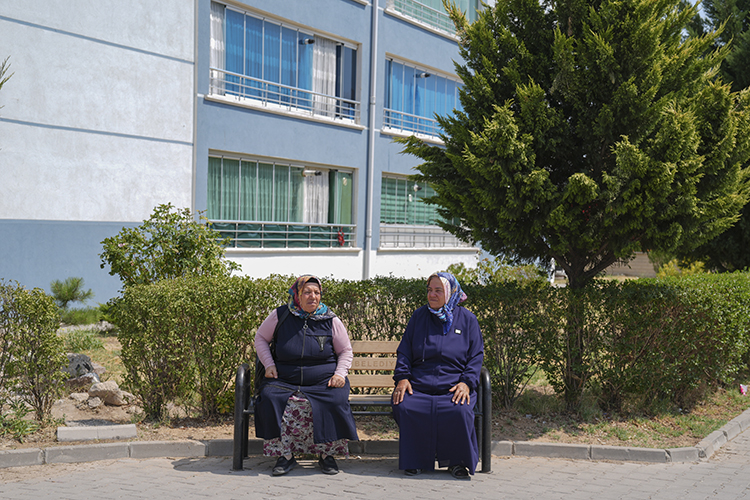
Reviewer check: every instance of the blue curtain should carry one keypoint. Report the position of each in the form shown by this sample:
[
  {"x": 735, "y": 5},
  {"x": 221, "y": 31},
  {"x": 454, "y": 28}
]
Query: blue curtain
[
  {"x": 304, "y": 68},
  {"x": 272, "y": 59},
  {"x": 234, "y": 49},
  {"x": 288, "y": 61},
  {"x": 253, "y": 54},
  {"x": 409, "y": 91}
]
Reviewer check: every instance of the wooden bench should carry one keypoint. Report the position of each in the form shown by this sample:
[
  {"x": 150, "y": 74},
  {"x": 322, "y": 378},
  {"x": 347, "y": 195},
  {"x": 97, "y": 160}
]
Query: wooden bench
[{"x": 369, "y": 356}]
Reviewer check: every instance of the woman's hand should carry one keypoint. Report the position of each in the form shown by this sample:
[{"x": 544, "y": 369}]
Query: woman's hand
[
  {"x": 271, "y": 372},
  {"x": 460, "y": 393},
  {"x": 401, "y": 389},
  {"x": 336, "y": 381}
]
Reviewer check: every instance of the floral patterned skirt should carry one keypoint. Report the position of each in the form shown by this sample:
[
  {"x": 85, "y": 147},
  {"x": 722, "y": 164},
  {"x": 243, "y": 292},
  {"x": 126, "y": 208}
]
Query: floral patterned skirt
[{"x": 297, "y": 433}]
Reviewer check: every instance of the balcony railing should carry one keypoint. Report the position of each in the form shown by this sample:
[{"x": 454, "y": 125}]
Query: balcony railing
[
  {"x": 422, "y": 13},
  {"x": 407, "y": 122},
  {"x": 406, "y": 236},
  {"x": 279, "y": 97},
  {"x": 286, "y": 235}
]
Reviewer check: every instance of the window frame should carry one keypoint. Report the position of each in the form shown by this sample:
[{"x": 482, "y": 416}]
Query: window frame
[
  {"x": 415, "y": 120},
  {"x": 252, "y": 86},
  {"x": 264, "y": 229}
]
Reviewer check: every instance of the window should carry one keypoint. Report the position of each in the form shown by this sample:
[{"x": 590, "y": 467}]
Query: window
[
  {"x": 432, "y": 12},
  {"x": 282, "y": 67},
  {"x": 414, "y": 96},
  {"x": 407, "y": 221},
  {"x": 269, "y": 204},
  {"x": 401, "y": 202}
]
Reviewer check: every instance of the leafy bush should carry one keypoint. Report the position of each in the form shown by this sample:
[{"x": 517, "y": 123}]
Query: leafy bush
[
  {"x": 32, "y": 355},
  {"x": 675, "y": 339},
  {"x": 378, "y": 308},
  {"x": 514, "y": 317},
  {"x": 182, "y": 339},
  {"x": 170, "y": 244}
]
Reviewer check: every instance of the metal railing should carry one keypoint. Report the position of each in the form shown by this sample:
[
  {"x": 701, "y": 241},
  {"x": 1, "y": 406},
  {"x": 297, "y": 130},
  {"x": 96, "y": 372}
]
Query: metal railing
[
  {"x": 281, "y": 97},
  {"x": 407, "y": 122},
  {"x": 286, "y": 234},
  {"x": 423, "y": 13},
  {"x": 406, "y": 236}
]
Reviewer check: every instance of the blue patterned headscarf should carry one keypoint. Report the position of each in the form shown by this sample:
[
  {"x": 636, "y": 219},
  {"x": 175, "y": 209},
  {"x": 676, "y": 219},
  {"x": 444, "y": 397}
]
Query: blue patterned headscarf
[
  {"x": 453, "y": 296},
  {"x": 321, "y": 313}
]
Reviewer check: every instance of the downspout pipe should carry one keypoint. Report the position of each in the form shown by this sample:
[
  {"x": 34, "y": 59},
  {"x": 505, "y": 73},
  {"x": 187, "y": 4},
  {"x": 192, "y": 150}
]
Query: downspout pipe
[{"x": 371, "y": 141}]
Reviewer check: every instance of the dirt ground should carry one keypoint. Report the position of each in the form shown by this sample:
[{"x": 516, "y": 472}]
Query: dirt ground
[{"x": 507, "y": 425}]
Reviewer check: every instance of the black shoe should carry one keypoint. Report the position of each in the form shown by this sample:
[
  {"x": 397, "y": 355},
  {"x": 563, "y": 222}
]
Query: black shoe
[
  {"x": 413, "y": 472},
  {"x": 328, "y": 465},
  {"x": 459, "y": 472},
  {"x": 283, "y": 466}
]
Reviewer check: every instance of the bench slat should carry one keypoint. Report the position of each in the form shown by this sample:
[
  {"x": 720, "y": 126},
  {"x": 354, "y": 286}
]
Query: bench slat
[
  {"x": 375, "y": 346},
  {"x": 370, "y": 380},
  {"x": 364, "y": 363},
  {"x": 370, "y": 399}
]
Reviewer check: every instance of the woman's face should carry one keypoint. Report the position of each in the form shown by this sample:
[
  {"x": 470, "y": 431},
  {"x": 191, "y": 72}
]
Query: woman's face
[
  {"x": 310, "y": 297},
  {"x": 435, "y": 293}
]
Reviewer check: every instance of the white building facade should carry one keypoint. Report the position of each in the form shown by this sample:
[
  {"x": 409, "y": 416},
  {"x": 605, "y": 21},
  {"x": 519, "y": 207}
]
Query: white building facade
[{"x": 275, "y": 120}]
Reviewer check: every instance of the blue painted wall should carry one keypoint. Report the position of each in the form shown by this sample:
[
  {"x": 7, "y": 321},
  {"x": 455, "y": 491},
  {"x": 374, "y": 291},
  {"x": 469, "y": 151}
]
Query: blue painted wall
[{"x": 35, "y": 253}]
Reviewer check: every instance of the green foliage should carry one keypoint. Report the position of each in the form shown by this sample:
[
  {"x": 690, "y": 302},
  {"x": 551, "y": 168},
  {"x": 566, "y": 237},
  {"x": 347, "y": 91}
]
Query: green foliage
[
  {"x": 673, "y": 339},
  {"x": 32, "y": 355},
  {"x": 590, "y": 130},
  {"x": 170, "y": 244},
  {"x": 495, "y": 270},
  {"x": 14, "y": 421},
  {"x": 82, "y": 316},
  {"x": 82, "y": 340},
  {"x": 644, "y": 344},
  {"x": 675, "y": 268},
  {"x": 378, "y": 308},
  {"x": 70, "y": 290},
  {"x": 183, "y": 338},
  {"x": 514, "y": 317}
]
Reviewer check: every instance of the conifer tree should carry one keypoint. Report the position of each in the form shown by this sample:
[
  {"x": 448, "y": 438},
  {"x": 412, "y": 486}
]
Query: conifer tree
[
  {"x": 591, "y": 129},
  {"x": 728, "y": 251}
]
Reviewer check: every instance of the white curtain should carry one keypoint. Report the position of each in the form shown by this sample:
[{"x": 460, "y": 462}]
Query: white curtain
[
  {"x": 324, "y": 76},
  {"x": 216, "y": 59},
  {"x": 316, "y": 199}
]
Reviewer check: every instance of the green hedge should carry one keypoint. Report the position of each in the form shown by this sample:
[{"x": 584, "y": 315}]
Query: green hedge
[{"x": 636, "y": 344}]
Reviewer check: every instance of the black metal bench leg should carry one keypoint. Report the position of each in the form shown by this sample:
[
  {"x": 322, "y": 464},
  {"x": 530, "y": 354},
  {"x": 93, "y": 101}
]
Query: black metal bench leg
[
  {"x": 486, "y": 447},
  {"x": 239, "y": 442}
]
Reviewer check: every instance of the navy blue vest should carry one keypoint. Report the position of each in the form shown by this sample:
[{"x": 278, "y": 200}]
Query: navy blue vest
[{"x": 304, "y": 352}]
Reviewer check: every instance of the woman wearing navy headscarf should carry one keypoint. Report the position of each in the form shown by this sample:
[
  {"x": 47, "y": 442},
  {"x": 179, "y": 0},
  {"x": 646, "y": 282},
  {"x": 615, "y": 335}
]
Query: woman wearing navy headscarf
[
  {"x": 437, "y": 373},
  {"x": 303, "y": 406}
]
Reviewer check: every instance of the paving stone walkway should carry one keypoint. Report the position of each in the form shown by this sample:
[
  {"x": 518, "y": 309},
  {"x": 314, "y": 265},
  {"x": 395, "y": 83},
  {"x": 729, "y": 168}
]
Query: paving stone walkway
[{"x": 726, "y": 476}]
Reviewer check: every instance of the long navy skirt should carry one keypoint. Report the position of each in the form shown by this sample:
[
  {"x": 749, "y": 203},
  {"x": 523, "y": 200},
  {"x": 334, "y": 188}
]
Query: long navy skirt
[{"x": 432, "y": 427}]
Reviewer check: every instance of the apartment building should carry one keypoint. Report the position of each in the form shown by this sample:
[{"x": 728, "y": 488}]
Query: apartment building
[{"x": 275, "y": 119}]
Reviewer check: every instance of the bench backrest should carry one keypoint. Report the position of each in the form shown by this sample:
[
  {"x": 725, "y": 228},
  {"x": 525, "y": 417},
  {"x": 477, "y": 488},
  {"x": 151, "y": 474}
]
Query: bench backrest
[{"x": 376, "y": 363}]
